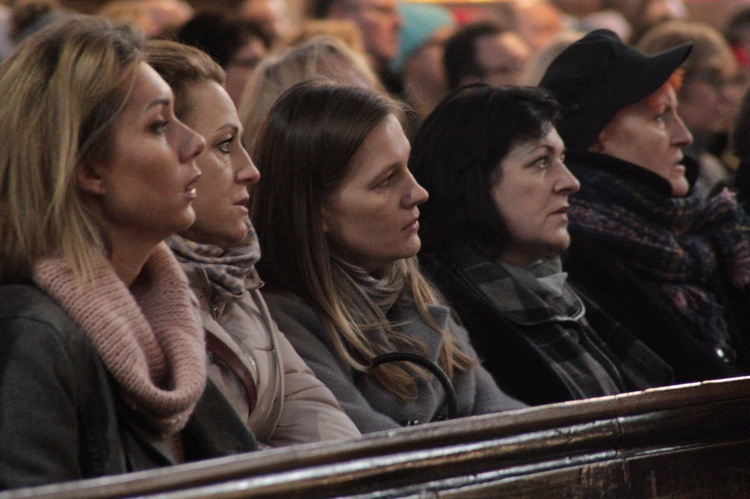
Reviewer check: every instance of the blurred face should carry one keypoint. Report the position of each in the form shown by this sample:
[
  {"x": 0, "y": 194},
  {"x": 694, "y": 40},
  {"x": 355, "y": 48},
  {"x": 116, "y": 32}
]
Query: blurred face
[
  {"x": 531, "y": 195},
  {"x": 371, "y": 219},
  {"x": 380, "y": 24},
  {"x": 221, "y": 215},
  {"x": 427, "y": 62},
  {"x": 538, "y": 23},
  {"x": 241, "y": 66},
  {"x": 502, "y": 58},
  {"x": 656, "y": 11},
  {"x": 168, "y": 14},
  {"x": 273, "y": 15},
  {"x": 147, "y": 187},
  {"x": 708, "y": 99},
  {"x": 650, "y": 134}
]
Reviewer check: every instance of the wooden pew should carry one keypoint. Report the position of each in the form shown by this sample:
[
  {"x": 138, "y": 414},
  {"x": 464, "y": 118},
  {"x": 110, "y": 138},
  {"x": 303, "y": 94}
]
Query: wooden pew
[{"x": 691, "y": 440}]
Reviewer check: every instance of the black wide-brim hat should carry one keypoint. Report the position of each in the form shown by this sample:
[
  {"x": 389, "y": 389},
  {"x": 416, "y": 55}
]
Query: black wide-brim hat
[{"x": 599, "y": 75}]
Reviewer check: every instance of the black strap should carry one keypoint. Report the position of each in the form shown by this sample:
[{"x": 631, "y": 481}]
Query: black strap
[{"x": 450, "y": 393}]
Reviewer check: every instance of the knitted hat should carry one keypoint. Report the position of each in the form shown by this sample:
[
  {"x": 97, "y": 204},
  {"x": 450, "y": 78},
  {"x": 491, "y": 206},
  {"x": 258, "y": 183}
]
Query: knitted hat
[
  {"x": 419, "y": 22},
  {"x": 599, "y": 75}
]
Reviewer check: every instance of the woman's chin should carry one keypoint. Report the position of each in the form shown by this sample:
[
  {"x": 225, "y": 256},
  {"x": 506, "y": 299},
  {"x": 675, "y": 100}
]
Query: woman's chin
[{"x": 680, "y": 187}]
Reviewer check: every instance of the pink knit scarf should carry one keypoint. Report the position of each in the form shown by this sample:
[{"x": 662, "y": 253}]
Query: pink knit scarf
[{"x": 149, "y": 336}]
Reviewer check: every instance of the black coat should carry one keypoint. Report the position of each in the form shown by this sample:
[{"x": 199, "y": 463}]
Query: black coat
[
  {"x": 508, "y": 354},
  {"x": 62, "y": 419},
  {"x": 639, "y": 304},
  {"x": 642, "y": 308}
]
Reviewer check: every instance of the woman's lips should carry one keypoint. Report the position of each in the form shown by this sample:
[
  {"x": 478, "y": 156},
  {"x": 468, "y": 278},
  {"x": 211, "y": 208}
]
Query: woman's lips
[
  {"x": 412, "y": 226},
  {"x": 242, "y": 204},
  {"x": 190, "y": 192}
]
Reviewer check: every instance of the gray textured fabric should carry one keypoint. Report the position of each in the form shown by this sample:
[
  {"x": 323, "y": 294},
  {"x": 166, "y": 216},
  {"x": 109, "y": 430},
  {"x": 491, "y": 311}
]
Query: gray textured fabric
[
  {"x": 61, "y": 417},
  {"x": 368, "y": 404}
]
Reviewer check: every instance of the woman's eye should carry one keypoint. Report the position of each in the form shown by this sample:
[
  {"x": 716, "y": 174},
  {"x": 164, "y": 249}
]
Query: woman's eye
[
  {"x": 158, "y": 127},
  {"x": 542, "y": 162},
  {"x": 384, "y": 183},
  {"x": 225, "y": 145}
]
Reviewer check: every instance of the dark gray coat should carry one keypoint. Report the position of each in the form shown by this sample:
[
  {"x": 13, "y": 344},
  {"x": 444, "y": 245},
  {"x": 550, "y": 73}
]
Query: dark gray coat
[
  {"x": 366, "y": 402},
  {"x": 61, "y": 418},
  {"x": 511, "y": 343}
]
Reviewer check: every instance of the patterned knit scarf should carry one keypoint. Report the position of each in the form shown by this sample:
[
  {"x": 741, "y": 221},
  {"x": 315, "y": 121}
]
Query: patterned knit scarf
[
  {"x": 368, "y": 300},
  {"x": 149, "y": 337},
  {"x": 678, "y": 243},
  {"x": 227, "y": 268},
  {"x": 361, "y": 291}
]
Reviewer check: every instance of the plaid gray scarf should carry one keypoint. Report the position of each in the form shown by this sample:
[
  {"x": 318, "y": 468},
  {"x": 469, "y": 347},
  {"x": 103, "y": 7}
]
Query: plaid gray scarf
[
  {"x": 526, "y": 297},
  {"x": 552, "y": 319}
]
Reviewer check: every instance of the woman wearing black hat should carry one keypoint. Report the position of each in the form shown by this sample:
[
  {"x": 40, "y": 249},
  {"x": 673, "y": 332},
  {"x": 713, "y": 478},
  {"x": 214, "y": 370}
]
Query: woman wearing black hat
[{"x": 673, "y": 268}]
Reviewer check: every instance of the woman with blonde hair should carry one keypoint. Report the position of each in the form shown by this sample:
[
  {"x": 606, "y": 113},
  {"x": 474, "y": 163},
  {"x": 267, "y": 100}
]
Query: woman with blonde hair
[
  {"x": 253, "y": 364},
  {"x": 320, "y": 57},
  {"x": 337, "y": 215},
  {"x": 102, "y": 352}
]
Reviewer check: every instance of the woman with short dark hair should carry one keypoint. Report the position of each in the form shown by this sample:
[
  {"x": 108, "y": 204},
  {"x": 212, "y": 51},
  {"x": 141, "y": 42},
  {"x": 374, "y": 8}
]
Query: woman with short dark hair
[{"x": 494, "y": 229}]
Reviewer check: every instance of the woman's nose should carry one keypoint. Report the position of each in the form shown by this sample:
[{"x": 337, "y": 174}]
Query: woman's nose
[
  {"x": 191, "y": 145},
  {"x": 681, "y": 136},
  {"x": 416, "y": 194},
  {"x": 568, "y": 182},
  {"x": 247, "y": 172}
]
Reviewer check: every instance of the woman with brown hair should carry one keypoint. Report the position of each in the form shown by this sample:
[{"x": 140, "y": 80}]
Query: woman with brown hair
[
  {"x": 337, "y": 215},
  {"x": 250, "y": 360}
]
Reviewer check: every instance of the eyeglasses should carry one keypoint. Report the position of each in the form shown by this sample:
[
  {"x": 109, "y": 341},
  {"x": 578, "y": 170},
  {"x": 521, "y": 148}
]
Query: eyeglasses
[{"x": 716, "y": 79}]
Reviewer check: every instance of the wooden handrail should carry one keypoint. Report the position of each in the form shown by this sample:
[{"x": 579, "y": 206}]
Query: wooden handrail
[{"x": 479, "y": 453}]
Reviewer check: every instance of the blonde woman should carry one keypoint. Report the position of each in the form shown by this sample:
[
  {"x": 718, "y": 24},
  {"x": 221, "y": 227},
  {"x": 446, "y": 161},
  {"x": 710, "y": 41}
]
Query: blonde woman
[
  {"x": 337, "y": 216},
  {"x": 102, "y": 352},
  {"x": 320, "y": 57},
  {"x": 253, "y": 364}
]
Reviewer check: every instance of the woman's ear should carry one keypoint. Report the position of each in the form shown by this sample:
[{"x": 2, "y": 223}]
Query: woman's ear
[
  {"x": 90, "y": 178},
  {"x": 598, "y": 145}
]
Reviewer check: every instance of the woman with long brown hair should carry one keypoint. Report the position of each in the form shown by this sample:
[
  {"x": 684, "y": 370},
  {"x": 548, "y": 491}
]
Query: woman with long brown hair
[
  {"x": 337, "y": 215},
  {"x": 251, "y": 361}
]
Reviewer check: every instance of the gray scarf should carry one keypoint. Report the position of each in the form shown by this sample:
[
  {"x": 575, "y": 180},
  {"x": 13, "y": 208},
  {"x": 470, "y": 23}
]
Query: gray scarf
[{"x": 226, "y": 268}]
